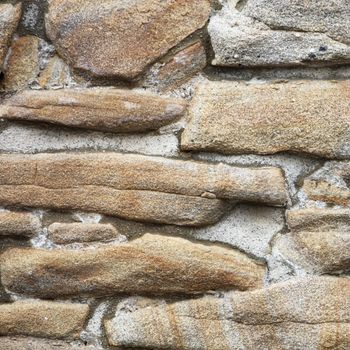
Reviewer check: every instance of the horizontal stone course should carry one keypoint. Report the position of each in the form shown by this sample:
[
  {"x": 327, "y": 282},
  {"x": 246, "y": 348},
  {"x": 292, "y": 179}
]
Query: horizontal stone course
[
  {"x": 18, "y": 224},
  {"x": 43, "y": 319},
  {"x": 307, "y": 313},
  {"x": 152, "y": 264},
  {"x": 301, "y": 116},
  {"x": 104, "y": 109},
  {"x": 135, "y": 187}
]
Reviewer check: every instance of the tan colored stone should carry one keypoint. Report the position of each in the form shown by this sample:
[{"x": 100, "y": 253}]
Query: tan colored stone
[
  {"x": 179, "y": 68},
  {"x": 18, "y": 224},
  {"x": 329, "y": 184},
  {"x": 15, "y": 343},
  {"x": 55, "y": 75},
  {"x": 302, "y": 116},
  {"x": 9, "y": 18},
  {"x": 66, "y": 233},
  {"x": 105, "y": 109},
  {"x": 319, "y": 240},
  {"x": 152, "y": 264},
  {"x": 121, "y": 38},
  {"x": 22, "y": 67},
  {"x": 308, "y": 313},
  {"x": 43, "y": 319}
]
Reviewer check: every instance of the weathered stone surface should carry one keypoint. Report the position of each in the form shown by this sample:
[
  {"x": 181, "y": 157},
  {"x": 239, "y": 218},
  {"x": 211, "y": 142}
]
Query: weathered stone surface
[
  {"x": 329, "y": 17},
  {"x": 121, "y": 38},
  {"x": 103, "y": 109},
  {"x": 152, "y": 264},
  {"x": 15, "y": 343},
  {"x": 22, "y": 67},
  {"x": 245, "y": 39},
  {"x": 18, "y": 224},
  {"x": 310, "y": 313},
  {"x": 135, "y": 187},
  {"x": 9, "y": 18},
  {"x": 43, "y": 319},
  {"x": 65, "y": 233},
  {"x": 319, "y": 240},
  {"x": 179, "y": 68},
  {"x": 303, "y": 116},
  {"x": 328, "y": 184},
  {"x": 55, "y": 75}
]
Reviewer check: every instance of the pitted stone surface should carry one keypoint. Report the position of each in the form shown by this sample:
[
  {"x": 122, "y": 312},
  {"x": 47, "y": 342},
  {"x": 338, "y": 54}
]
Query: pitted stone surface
[
  {"x": 121, "y": 38},
  {"x": 152, "y": 264},
  {"x": 9, "y": 18},
  {"x": 43, "y": 319},
  {"x": 106, "y": 109},
  {"x": 301, "y": 116},
  {"x": 308, "y": 313},
  {"x": 18, "y": 224}
]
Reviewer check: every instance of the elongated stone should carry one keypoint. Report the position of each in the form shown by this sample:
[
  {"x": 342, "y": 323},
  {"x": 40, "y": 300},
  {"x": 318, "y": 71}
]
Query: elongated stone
[
  {"x": 22, "y": 67},
  {"x": 43, "y": 319},
  {"x": 121, "y": 38},
  {"x": 65, "y": 233},
  {"x": 303, "y": 116},
  {"x": 319, "y": 240},
  {"x": 105, "y": 109},
  {"x": 308, "y": 313},
  {"x": 9, "y": 18},
  {"x": 152, "y": 264},
  {"x": 145, "y": 173},
  {"x": 18, "y": 224}
]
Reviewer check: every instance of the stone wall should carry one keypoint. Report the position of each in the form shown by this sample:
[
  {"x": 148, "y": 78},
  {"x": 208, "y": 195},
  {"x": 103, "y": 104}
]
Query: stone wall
[{"x": 174, "y": 175}]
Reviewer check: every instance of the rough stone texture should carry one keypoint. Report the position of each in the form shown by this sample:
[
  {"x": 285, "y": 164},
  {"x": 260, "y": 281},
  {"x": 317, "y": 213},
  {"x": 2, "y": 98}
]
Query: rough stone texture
[
  {"x": 15, "y": 343},
  {"x": 310, "y": 313},
  {"x": 43, "y": 319},
  {"x": 319, "y": 240},
  {"x": 179, "y": 68},
  {"x": 107, "y": 109},
  {"x": 22, "y": 67},
  {"x": 18, "y": 224},
  {"x": 329, "y": 17},
  {"x": 278, "y": 33},
  {"x": 135, "y": 187},
  {"x": 55, "y": 75},
  {"x": 303, "y": 116},
  {"x": 66, "y": 233},
  {"x": 9, "y": 18},
  {"x": 121, "y": 38},
  {"x": 152, "y": 264},
  {"x": 329, "y": 184}
]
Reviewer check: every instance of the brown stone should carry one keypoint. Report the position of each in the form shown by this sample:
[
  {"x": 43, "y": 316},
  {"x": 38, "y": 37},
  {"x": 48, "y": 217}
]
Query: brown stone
[
  {"x": 22, "y": 67},
  {"x": 15, "y": 343},
  {"x": 121, "y": 38},
  {"x": 319, "y": 240},
  {"x": 179, "y": 68},
  {"x": 18, "y": 224},
  {"x": 55, "y": 75},
  {"x": 66, "y": 233},
  {"x": 308, "y": 313},
  {"x": 303, "y": 116},
  {"x": 43, "y": 319},
  {"x": 105, "y": 109},
  {"x": 152, "y": 264},
  {"x": 329, "y": 184},
  {"x": 9, "y": 18}
]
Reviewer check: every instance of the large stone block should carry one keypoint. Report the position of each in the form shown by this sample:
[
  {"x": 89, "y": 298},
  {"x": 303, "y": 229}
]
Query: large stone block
[
  {"x": 152, "y": 264},
  {"x": 301, "y": 116},
  {"x": 121, "y": 38},
  {"x": 309, "y": 313}
]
